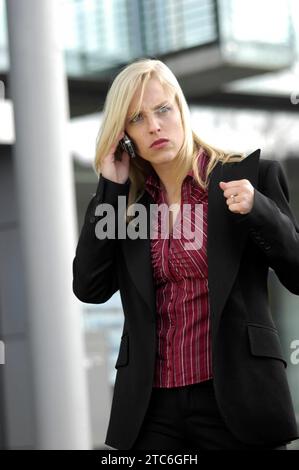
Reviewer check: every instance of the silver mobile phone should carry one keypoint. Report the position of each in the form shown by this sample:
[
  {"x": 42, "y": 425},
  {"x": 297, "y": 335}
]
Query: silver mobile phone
[{"x": 125, "y": 145}]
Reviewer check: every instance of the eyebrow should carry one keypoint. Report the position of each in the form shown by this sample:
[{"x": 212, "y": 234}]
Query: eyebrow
[
  {"x": 154, "y": 109},
  {"x": 160, "y": 105}
]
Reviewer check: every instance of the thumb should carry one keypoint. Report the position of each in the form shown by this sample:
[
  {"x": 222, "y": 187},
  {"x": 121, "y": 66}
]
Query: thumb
[{"x": 222, "y": 185}]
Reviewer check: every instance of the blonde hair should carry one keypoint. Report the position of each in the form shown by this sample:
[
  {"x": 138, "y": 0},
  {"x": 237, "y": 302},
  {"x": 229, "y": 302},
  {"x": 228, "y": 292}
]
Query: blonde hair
[{"x": 119, "y": 97}]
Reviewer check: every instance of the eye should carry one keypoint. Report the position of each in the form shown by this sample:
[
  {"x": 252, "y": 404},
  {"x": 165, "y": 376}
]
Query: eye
[
  {"x": 136, "y": 118},
  {"x": 164, "y": 109}
]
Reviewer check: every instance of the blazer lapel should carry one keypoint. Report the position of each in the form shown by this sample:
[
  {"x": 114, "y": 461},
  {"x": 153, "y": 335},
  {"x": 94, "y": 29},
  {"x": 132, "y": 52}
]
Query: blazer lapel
[
  {"x": 225, "y": 242},
  {"x": 225, "y": 238}
]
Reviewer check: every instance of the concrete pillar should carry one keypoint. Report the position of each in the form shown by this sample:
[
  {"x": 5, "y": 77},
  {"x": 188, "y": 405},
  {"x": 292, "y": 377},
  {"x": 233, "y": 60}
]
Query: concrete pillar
[{"x": 46, "y": 200}]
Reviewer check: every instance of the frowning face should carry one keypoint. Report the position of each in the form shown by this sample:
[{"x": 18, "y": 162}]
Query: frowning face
[{"x": 156, "y": 130}]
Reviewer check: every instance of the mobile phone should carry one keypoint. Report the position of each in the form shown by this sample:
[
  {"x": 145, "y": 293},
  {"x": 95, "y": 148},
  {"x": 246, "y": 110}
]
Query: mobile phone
[{"x": 125, "y": 145}]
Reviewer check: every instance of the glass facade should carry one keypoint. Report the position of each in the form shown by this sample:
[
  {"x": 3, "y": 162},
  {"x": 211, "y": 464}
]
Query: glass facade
[
  {"x": 173, "y": 25},
  {"x": 100, "y": 35},
  {"x": 103, "y": 34},
  {"x": 96, "y": 35}
]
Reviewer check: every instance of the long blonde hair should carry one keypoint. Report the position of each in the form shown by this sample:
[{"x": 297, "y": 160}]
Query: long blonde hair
[{"x": 116, "y": 107}]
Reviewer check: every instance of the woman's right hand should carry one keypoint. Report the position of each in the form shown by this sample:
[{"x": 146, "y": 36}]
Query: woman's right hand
[{"x": 116, "y": 170}]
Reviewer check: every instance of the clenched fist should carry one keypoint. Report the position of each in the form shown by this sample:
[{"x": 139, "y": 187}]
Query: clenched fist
[{"x": 239, "y": 195}]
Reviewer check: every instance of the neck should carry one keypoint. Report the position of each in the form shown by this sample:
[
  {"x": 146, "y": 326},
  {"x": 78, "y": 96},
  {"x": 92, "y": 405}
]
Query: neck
[{"x": 167, "y": 175}]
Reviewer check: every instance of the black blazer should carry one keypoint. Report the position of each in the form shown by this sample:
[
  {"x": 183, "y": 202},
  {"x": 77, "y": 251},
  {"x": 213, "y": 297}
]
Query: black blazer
[{"x": 248, "y": 365}]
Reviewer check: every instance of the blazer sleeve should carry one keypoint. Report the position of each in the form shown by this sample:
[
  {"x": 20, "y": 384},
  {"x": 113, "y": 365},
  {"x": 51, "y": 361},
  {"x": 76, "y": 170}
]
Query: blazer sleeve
[
  {"x": 94, "y": 265},
  {"x": 273, "y": 227}
]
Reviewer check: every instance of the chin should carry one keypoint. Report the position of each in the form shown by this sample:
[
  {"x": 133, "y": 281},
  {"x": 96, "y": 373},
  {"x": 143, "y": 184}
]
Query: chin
[
  {"x": 161, "y": 158},
  {"x": 166, "y": 158}
]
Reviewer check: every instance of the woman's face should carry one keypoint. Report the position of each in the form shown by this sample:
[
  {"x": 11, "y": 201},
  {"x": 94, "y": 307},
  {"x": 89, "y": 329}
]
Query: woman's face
[{"x": 157, "y": 130}]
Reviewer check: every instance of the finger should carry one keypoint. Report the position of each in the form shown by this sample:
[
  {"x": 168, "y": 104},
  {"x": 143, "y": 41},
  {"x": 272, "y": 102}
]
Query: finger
[
  {"x": 230, "y": 184},
  {"x": 233, "y": 192},
  {"x": 114, "y": 146},
  {"x": 235, "y": 200},
  {"x": 227, "y": 191},
  {"x": 121, "y": 135},
  {"x": 236, "y": 208},
  {"x": 233, "y": 182}
]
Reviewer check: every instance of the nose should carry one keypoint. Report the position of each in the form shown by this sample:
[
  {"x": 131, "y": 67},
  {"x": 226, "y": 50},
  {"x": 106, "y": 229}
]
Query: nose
[{"x": 153, "y": 124}]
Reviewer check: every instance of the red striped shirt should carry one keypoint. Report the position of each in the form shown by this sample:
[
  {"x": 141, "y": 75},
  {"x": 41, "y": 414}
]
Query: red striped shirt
[{"x": 183, "y": 353}]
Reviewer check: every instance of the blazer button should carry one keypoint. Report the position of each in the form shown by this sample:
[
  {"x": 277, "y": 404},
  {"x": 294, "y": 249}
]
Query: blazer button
[{"x": 92, "y": 219}]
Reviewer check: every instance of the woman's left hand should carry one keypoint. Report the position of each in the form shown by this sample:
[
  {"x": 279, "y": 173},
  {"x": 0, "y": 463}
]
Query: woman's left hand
[{"x": 243, "y": 193}]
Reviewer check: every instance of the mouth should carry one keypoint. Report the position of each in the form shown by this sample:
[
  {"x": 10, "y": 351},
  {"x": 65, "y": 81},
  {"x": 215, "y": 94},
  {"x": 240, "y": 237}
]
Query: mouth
[{"x": 159, "y": 143}]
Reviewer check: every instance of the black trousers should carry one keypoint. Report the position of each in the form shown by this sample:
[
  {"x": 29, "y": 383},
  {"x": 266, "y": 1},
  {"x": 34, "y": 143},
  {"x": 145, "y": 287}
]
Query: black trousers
[{"x": 188, "y": 418}]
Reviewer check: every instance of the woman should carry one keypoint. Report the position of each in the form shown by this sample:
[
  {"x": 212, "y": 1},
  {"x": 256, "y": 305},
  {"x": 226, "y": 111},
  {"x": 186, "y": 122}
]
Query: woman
[{"x": 200, "y": 364}]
